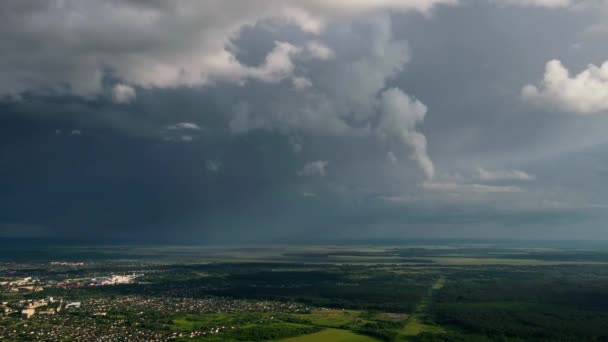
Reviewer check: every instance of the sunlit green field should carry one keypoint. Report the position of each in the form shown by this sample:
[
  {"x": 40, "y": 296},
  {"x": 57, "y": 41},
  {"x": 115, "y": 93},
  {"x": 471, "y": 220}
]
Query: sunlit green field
[
  {"x": 331, "y": 335},
  {"x": 333, "y": 318},
  {"x": 466, "y": 261},
  {"x": 415, "y": 327}
]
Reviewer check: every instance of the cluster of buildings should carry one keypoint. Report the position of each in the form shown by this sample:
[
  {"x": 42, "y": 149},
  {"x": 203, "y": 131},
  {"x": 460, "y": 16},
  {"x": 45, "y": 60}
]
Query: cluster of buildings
[
  {"x": 67, "y": 263},
  {"x": 115, "y": 279},
  {"x": 5, "y": 310},
  {"x": 199, "y": 333},
  {"x": 47, "y": 306},
  {"x": 28, "y": 308},
  {"x": 62, "y": 327},
  {"x": 25, "y": 284},
  {"x": 97, "y": 281},
  {"x": 29, "y": 284},
  {"x": 176, "y": 305},
  {"x": 129, "y": 318}
]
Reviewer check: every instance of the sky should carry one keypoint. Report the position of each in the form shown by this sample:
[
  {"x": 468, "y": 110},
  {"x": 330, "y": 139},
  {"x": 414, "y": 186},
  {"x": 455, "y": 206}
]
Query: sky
[{"x": 219, "y": 121}]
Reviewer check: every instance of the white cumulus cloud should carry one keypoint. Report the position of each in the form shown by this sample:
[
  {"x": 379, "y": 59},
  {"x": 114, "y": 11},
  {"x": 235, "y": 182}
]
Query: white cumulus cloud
[
  {"x": 501, "y": 175},
  {"x": 583, "y": 93},
  {"x": 73, "y": 43},
  {"x": 314, "y": 168},
  {"x": 469, "y": 188},
  {"x": 536, "y": 3},
  {"x": 400, "y": 114},
  {"x": 122, "y": 93},
  {"x": 390, "y": 156},
  {"x": 318, "y": 50},
  {"x": 184, "y": 126},
  {"x": 301, "y": 83}
]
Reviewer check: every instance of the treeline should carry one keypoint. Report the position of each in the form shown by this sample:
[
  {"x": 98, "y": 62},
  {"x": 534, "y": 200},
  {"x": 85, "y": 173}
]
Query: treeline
[
  {"x": 274, "y": 331},
  {"x": 382, "y": 330},
  {"x": 551, "y": 304}
]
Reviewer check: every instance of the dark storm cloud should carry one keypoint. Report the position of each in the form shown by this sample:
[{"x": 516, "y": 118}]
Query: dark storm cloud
[{"x": 213, "y": 121}]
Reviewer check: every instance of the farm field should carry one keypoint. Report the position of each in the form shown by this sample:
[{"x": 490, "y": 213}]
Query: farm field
[{"x": 331, "y": 335}]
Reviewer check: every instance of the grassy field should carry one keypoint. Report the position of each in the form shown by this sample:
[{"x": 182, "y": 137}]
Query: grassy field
[
  {"x": 415, "y": 324},
  {"x": 333, "y": 318},
  {"x": 415, "y": 327},
  {"x": 331, "y": 335},
  {"x": 203, "y": 321},
  {"x": 467, "y": 261}
]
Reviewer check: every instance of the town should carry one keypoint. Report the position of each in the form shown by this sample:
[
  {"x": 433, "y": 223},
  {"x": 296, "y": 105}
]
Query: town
[
  {"x": 98, "y": 319},
  {"x": 26, "y": 314},
  {"x": 27, "y": 308}
]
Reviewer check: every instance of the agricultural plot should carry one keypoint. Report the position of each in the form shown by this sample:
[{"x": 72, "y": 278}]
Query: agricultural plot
[{"x": 331, "y": 335}]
